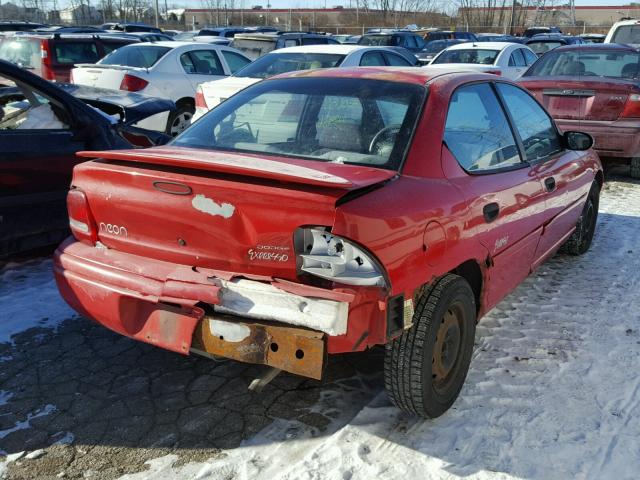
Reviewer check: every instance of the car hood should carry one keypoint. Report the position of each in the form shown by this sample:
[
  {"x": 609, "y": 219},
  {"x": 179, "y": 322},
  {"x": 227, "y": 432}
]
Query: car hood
[{"x": 131, "y": 107}]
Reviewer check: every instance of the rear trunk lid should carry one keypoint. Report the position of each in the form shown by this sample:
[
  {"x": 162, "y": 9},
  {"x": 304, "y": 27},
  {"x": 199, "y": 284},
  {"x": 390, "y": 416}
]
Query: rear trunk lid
[
  {"x": 581, "y": 98},
  {"x": 224, "y": 211},
  {"x": 218, "y": 91},
  {"x": 103, "y": 76}
]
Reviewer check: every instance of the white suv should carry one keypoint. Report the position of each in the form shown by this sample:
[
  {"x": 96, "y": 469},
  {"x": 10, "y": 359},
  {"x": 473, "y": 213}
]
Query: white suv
[{"x": 626, "y": 31}]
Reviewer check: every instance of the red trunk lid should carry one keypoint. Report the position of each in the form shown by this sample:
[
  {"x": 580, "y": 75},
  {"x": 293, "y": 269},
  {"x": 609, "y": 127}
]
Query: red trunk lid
[
  {"x": 226, "y": 211},
  {"x": 581, "y": 98}
]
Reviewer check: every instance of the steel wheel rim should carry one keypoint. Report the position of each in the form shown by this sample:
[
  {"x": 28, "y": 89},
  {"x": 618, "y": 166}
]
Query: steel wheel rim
[
  {"x": 447, "y": 347},
  {"x": 180, "y": 123}
]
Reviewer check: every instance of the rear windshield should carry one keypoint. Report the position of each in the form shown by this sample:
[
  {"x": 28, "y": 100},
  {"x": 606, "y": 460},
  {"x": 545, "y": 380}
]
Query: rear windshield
[
  {"x": 25, "y": 53},
  {"x": 471, "y": 55},
  {"x": 593, "y": 63},
  {"x": 543, "y": 46},
  {"x": 75, "y": 52},
  {"x": 276, "y": 63},
  {"x": 254, "y": 48},
  {"x": 380, "y": 40},
  {"x": 339, "y": 120},
  {"x": 135, "y": 56},
  {"x": 626, "y": 34}
]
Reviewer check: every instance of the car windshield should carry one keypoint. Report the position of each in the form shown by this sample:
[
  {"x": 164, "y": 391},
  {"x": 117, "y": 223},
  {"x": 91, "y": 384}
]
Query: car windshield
[
  {"x": 379, "y": 40},
  {"x": 135, "y": 56},
  {"x": 185, "y": 36},
  {"x": 626, "y": 34},
  {"x": 471, "y": 55},
  {"x": 276, "y": 63},
  {"x": 435, "y": 46},
  {"x": 25, "y": 53},
  {"x": 593, "y": 63},
  {"x": 542, "y": 46},
  {"x": 339, "y": 120}
]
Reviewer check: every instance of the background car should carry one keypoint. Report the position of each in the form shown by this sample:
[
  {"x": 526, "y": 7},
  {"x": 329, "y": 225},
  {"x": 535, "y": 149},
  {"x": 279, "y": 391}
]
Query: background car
[
  {"x": 595, "y": 88},
  {"x": 626, "y": 31},
  {"x": 212, "y": 93},
  {"x": 509, "y": 60},
  {"x": 11, "y": 26},
  {"x": 449, "y": 35},
  {"x": 170, "y": 70},
  {"x": 532, "y": 31},
  {"x": 542, "y": 43},
  {"x": 434, "y": 47},
  {"x": 254, "y": 45},
  {"x": 129, "y": 27},
  {"x": 412, "y": 42},
  {"x": 593, "y": 37},
  {"x": 497, "y": 37},
  {"x": 151, "y": 36},
  {"x": 53, "y": 56},
  {"x": 42, "y": 126},
  {"x": 302, "y": 216}
]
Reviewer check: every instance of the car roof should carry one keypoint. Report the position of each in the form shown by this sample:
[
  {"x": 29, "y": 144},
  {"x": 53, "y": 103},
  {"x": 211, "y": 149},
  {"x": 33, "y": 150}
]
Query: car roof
[
  {"x": 174, "y": 44},
  {"x": 410, "y": 75},
  {"x": 332, "y": 48},
  {"x": 599, "y": 46},
  {"x": 482, "y": 45}
]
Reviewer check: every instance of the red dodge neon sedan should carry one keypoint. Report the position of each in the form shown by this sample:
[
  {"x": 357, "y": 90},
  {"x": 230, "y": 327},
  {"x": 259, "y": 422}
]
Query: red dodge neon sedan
[{"x": 330, "y": 211}]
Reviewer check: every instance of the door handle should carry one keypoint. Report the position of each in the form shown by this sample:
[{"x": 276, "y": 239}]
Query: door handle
[
  {"x": 491, "y": 211},
  {"x": 550, "y": 184}
]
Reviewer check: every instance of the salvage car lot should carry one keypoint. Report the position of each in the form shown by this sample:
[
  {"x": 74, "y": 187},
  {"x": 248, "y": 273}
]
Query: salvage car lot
[{"x": 552, "y": 392}]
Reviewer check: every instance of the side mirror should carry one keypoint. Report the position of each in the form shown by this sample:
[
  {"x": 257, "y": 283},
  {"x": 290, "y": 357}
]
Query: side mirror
[{"x": 578, "y": 140}]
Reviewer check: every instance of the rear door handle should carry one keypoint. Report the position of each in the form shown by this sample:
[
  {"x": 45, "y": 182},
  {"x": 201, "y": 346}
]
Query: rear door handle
[
  {"x": 491, "y": 211},
  {"x": 550, "y": 184}
]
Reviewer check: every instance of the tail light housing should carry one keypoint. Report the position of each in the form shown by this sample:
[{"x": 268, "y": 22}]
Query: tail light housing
[
  {"x": 201, "y": 102},
  {"x": 47, "y": 61},
  {"x": 71, "y": 76},
  {"x": 131, "y": 83},
  {"x": 328, "y": 256},
  {"x": 81, "y": 221},
  {"x": 495, "y": 72},
  {"x": 631, "y": 107}
]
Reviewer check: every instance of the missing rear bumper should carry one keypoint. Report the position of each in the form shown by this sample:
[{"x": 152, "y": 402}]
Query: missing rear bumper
[{"x": 294, "y": 350}]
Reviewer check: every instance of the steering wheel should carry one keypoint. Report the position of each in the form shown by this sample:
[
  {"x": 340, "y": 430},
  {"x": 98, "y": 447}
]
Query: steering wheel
[{"x": 381, "y": 134}]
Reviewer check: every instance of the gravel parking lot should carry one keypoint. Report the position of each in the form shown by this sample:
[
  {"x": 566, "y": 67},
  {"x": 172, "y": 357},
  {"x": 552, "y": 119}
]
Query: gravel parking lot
[{"x": 77, "y": 401}]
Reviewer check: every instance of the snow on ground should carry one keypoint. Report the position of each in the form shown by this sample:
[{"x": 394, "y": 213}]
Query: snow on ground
[
  {"x": 553, "y": 390},
  {"x": 29, "y": 299}
]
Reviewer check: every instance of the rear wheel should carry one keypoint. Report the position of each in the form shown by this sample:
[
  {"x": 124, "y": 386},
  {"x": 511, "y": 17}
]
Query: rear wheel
[
  {"x": 635, "y": 167},
  {"x": 426, "y": 366},
  {"x": 179, "y": 120},
  {"x": 580, "y": 240}
]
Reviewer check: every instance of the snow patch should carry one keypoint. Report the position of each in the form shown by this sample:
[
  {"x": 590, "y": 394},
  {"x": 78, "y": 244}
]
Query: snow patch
[
  {"x": 5, "y": 396},
  {"x": 23, "y": 425},
  {"x": 208, "y": 205}
]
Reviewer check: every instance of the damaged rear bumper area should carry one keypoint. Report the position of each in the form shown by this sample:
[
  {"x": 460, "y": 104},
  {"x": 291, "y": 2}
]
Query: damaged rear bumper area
[{"x": 185, "y": 309}]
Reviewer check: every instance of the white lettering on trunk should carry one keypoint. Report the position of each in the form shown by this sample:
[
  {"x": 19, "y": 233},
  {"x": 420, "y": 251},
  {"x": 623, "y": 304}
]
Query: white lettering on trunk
[{"x": 208, "y": 205}]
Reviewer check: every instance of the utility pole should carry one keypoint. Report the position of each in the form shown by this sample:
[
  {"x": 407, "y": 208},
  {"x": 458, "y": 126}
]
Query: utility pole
[
  {"x": 513, "y": 16},
  {"x": 157, "y": 15}
]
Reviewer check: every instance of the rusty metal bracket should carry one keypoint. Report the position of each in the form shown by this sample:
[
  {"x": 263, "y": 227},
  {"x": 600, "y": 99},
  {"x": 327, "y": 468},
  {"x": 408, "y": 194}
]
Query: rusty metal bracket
[{"x": 294, "y": 350}]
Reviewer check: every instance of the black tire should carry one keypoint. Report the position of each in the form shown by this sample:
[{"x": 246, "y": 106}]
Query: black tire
[
  {"x": 580, "y": 240},
  {"x": 413, "y": 380},
  {"x": 634, "y": 171},
  {"x": 179, "y": 120}
]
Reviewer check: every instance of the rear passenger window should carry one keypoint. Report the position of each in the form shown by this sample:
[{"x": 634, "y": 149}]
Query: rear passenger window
[
  {"x": 516, "y": 59},
  {"x": 76, "y": 52},
  {"x": 204, "y": 62},
  {"x": 538, "y": 134},
  {"x": 235, "y": 61},
  {"x": 396, "y": 60},
  {"x": 372, "y": 59},
  {"x": 529, "y": 56},
  {"x": 477, "y": 131}
]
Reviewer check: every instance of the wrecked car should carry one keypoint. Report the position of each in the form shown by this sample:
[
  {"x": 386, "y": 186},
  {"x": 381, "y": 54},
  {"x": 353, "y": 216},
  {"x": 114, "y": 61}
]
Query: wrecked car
[
  {"x": 331, "y": 211},
  {"x": 42, "y": 126}
]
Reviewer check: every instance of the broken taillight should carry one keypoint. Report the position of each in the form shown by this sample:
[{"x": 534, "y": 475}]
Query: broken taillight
[
  {"x": 81, "y": 221},
  {"x": 201, "y": 101},
  {"x": 334, "y": 258},
  {"x": 632, "y": 107},
  {"x": 131, "y": 83},
  {"x": 47, "y": 68}
]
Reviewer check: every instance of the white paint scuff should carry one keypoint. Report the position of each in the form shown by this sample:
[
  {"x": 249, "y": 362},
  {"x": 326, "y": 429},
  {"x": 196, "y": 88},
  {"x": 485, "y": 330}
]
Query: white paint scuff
[
  {"x": 210, "y": 206},
  {"x": 230, "y": 332}
]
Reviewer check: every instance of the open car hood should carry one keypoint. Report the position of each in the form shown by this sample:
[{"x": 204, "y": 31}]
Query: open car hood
[{"x": 132, "y": 107}]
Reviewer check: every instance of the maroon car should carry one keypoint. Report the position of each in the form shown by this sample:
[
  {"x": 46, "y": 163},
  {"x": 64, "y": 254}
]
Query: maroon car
[{"x": 595, "y": 89}]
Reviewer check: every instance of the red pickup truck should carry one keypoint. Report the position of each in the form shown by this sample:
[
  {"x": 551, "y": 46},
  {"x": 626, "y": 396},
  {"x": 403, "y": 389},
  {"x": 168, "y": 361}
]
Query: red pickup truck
[{"x": 330, "y": 211}]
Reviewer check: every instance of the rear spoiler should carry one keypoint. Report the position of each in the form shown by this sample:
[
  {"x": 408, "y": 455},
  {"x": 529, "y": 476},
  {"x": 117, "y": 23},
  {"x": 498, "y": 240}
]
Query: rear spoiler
[{"x": 322, "y": 174}]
